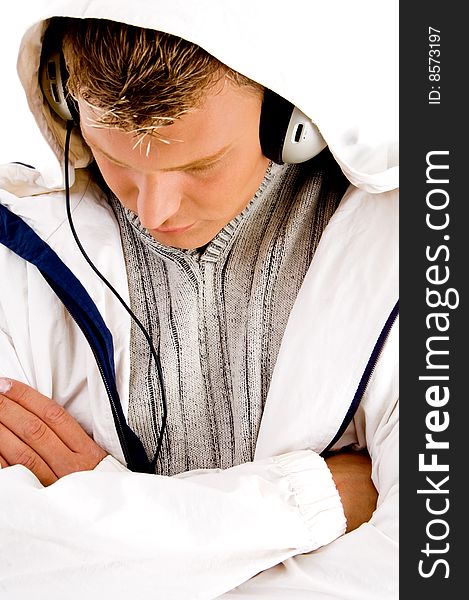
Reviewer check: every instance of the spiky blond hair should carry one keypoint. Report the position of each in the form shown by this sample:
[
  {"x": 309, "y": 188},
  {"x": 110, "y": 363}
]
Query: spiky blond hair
[{"x": 139, "y": 79}]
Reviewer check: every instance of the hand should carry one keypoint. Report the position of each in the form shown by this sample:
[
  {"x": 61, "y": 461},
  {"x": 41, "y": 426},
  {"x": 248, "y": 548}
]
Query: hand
[
  {"x": 351, "y": 472},
  {"x": 39, "y": 434}
]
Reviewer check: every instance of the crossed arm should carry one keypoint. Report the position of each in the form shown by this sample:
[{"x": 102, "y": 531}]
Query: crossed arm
[
  {"x": 39, "y": 434},
  {"x": 198, "y": 534}
]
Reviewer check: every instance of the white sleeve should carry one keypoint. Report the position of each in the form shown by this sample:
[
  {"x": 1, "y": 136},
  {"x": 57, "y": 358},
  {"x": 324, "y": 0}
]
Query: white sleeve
[
  {"x": 361, "y": 564},
  {"x": 364, "y": 563},
  {"x": 110, "y": 532}
]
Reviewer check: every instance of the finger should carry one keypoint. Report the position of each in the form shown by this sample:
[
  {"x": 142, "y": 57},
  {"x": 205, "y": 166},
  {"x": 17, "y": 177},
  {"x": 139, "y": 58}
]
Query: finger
[
  {"x": 3, "y": 462},
  {"x": 54, "y": 415},
  {"x": 36, "y": 434},
  {"x": 15, "y": 452}
]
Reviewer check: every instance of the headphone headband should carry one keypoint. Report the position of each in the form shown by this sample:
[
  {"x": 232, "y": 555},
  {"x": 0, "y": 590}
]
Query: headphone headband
[{"x": 286, "y": 134}]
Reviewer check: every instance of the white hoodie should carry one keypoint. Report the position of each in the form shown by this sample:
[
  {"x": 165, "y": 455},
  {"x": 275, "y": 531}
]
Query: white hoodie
[{"x": 110, "y": 533}]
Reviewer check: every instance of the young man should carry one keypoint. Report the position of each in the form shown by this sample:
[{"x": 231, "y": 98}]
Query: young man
[{"x": 216, "y": 249}]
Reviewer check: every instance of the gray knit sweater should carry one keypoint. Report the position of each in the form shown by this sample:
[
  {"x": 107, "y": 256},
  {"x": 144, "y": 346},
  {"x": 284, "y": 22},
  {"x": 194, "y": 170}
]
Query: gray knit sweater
[{"x": 217, "y": 316}]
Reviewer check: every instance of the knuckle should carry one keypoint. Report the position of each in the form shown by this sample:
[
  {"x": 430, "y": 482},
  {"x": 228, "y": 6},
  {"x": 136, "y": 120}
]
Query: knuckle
[
  {"x": 3, "y": 402},
  {"x": 22, "y": 394},
  {"x": 55, "y": 414},
  {"x": 26, "y": 458},
  {"x": 34, "y": 429}
]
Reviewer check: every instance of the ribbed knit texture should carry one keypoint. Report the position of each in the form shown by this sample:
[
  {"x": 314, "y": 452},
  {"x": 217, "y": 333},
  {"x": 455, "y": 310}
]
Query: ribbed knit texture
[{"x": 217, "y": 316}]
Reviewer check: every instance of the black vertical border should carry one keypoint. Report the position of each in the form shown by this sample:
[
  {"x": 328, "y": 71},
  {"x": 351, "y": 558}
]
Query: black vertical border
[{"x": 426, "y": 127}]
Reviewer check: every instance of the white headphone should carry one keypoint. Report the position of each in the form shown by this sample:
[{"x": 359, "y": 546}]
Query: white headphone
[{"x": 286, "y": 134}]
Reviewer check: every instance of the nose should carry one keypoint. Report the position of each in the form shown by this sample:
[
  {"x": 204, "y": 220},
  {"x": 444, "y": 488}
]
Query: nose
[{"x": 159, "y": 198}]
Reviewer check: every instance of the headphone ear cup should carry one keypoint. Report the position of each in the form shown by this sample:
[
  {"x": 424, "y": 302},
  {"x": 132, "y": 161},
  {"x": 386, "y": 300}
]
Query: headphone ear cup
[
  {"x": 302, "y": 140},
  {"x": 286, "y": 134},
  {"x": 275, "y": 117},
  {"x": 53, "y": 79}
]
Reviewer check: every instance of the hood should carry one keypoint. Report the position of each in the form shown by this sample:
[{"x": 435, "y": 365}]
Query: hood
[{"x": 337, "y": 61}]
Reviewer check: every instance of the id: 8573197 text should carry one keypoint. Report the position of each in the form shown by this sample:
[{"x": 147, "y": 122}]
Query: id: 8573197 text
[{"x": 434, "y": 66}]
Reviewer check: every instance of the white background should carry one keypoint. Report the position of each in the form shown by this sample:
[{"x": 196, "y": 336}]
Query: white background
[{"x": 20, "y": 138}]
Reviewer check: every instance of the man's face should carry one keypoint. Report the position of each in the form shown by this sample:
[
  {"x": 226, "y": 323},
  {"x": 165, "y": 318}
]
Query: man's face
[{"x": 187, "y": 190}]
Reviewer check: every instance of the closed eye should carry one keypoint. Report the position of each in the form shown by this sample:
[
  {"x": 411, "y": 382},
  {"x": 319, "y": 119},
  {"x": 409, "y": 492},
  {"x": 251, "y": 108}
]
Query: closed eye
[{"x": 204, "y": 168}]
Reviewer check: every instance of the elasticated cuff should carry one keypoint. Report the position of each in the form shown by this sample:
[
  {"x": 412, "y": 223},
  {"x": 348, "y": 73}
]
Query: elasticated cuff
[{"x": 316, "y": 495}]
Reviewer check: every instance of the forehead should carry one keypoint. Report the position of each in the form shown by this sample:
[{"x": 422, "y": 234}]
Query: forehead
[{"x": 228, "y": 115}]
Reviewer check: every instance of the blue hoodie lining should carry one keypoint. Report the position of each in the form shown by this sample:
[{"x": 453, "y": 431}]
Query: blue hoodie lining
[{"x": 21, "y": 239}]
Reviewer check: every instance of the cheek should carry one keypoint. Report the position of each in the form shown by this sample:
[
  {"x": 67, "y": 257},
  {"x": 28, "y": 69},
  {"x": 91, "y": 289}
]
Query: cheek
[
  {"x": 244, "y": 174},
  {"x": 228, "y": 191},
  {"x": 214, "y": 194},
  {"x": 120, "y": 181}
]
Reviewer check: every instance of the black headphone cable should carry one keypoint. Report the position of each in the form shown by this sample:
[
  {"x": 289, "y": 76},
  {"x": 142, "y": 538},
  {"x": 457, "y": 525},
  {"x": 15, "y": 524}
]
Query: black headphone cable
[{"x": 70, "y": 125}]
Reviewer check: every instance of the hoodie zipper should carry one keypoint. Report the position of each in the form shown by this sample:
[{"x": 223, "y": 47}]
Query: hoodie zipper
[
  {"x": 367, "y": 374},
  {"x": 115, "y": 413}
]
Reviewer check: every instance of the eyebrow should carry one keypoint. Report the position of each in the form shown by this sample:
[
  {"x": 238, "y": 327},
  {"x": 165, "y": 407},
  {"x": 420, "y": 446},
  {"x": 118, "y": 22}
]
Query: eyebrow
[{"x": 201, "y": 162}]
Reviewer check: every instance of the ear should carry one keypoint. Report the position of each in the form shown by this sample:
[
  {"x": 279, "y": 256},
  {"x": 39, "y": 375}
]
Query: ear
[{"x": 286, "y": 134}]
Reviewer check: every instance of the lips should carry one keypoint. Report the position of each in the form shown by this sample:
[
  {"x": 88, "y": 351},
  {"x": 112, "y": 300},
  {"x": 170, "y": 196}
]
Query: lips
[{"x": 180, "y": 229}]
